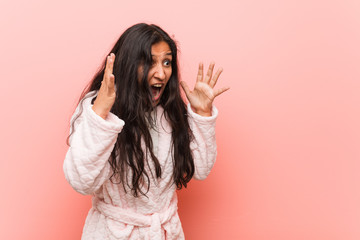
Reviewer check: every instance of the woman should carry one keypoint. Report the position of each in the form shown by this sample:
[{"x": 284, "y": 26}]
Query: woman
[{"x": 133, "y": 140}]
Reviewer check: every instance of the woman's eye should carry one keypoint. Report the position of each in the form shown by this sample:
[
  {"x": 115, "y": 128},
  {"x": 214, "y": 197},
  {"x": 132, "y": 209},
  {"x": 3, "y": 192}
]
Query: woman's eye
[{"x": 167, "y": 62}]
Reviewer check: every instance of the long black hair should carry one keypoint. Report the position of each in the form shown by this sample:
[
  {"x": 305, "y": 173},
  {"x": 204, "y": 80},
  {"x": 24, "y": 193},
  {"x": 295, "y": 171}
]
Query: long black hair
[{"x": 134, "y": 103}]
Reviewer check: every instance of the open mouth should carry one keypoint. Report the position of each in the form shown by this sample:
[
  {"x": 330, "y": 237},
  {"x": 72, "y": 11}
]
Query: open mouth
[{"x": 156, "y": 91}]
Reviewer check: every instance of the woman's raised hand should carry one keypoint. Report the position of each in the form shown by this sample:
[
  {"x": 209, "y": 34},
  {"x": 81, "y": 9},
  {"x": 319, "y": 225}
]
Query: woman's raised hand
[
  {"x": 106, "y": 95},
  {"x": 203, "y": 94}
]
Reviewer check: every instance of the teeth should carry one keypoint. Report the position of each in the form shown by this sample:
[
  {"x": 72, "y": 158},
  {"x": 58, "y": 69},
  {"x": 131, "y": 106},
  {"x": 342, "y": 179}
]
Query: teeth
[{"x": 157, "y": 85}]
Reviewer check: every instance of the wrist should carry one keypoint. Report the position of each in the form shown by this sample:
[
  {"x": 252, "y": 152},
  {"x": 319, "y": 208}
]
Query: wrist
[
  {"x": 101, "y": 113},
  {"x": 204, "y": 113}
]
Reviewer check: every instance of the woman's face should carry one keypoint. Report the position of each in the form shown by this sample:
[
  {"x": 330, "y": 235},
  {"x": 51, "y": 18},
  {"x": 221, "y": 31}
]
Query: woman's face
[{"x": 160, "y": 71}]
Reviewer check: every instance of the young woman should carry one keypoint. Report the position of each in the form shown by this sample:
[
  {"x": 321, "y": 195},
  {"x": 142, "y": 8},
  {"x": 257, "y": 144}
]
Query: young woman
[{"x": 134, "y": 141}]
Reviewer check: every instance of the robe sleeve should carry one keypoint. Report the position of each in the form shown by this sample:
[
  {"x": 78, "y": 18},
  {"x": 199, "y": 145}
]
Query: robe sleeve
[
  {"x": 203, "y": 146},
  {"x": 86, "y": 165}
]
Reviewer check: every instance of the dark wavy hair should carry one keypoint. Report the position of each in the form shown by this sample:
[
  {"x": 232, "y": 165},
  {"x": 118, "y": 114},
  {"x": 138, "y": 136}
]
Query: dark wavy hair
[{"x": 133, "y": 104}]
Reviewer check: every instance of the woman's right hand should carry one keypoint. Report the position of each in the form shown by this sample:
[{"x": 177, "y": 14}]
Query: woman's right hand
[{"x": 106, "y": 95}]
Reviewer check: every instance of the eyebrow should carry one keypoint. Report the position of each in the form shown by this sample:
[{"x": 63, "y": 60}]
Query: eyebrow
[{"x": 166, "y": 54}]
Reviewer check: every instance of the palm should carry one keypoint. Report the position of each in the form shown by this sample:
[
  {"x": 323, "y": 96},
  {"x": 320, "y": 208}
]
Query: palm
[
  {"x": 201, "y": 97},
  {"x": 203, "y": 94},
  {"x": 106, "y": 94}
]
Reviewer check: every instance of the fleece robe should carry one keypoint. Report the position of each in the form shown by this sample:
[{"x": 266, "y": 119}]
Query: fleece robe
[{"x": 116, "y": 213}]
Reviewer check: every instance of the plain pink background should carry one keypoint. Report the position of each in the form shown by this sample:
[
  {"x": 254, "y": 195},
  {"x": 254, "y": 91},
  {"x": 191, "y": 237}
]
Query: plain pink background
[{"x": 288, "y": 131}]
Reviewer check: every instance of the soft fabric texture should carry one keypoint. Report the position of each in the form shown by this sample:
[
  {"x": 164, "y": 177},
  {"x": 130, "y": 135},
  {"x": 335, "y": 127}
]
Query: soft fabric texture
[{"x": 114, "y": 213}]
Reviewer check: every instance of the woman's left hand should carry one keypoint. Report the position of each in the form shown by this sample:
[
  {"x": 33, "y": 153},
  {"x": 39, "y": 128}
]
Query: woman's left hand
[{"x": 203, "y": 95}]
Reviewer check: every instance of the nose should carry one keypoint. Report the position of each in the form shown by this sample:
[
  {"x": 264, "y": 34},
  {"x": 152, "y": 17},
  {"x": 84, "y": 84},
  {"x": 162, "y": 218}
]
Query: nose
[{"x": 159, "y": 72}]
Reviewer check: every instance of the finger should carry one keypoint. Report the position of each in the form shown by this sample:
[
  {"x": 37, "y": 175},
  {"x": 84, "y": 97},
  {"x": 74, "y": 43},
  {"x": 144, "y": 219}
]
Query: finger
[
  {"x": 209, "y": 72},
  {"x": 107, "y": 64},
  {"x": 200, "y": 72},
  {"x": 220, "y": 91},
  {"x": 111, "y": 62},
  {"x": 111, "y": 82},
  {"x": 186, "y": 88},
  {"x": 109, "y": 67},
  {"x": 216, "y": 77},
  {"x": 106, "y": 71}
]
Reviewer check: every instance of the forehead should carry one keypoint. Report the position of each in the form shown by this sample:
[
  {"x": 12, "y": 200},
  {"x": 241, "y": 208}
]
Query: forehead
[{"x": 160, "y": 49}]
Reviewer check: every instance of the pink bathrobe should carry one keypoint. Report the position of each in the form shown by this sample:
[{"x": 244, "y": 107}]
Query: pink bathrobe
[{"x": 119, "y": 215}]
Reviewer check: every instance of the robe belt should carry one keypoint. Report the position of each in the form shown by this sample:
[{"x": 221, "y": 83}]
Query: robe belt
[{"x": 154, "y": 221}]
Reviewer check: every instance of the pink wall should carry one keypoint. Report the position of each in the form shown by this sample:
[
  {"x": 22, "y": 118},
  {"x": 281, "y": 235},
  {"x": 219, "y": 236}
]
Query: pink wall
[{"x": 288, "y": 131}]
